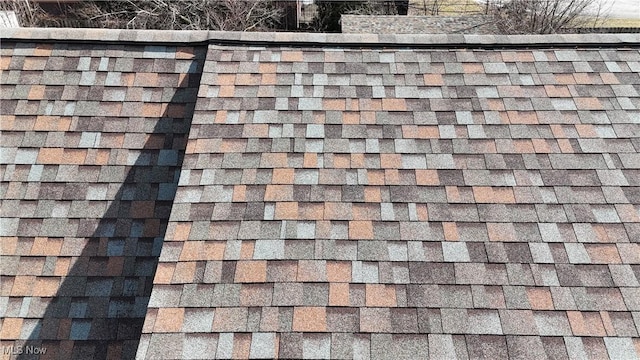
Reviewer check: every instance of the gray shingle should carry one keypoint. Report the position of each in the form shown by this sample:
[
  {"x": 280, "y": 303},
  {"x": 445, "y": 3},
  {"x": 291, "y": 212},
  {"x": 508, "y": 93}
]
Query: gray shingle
[
  {"x": 518, "y": 322},
  {"x": 316, "y": 346},
  {"x": 551, "y": 323},
  {"x": 522, "y": 347},
  {"x": 455, "y": 251},
  {"x": 262, "y": 345},
  {"x": 620, "y": 348},
  {"x": 441, "y": 346}
]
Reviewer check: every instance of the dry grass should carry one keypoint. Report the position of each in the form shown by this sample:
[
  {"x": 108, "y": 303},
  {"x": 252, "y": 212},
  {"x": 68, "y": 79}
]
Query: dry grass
[
  {"x": 445, "y": 7},
  {"x": 620, "y": 23},
  {"x": 608, "y": 22}
]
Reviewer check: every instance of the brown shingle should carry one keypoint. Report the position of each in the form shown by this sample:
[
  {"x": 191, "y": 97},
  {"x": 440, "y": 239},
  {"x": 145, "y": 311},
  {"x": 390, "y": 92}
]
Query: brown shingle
[
  {"x": 251, "y": 271},
  {"x": 169, "y": 320},
  {"x": 230, "y": 319},
  {"x": 11, "y": 328},
  {"x": 380, "y": 295},
  {"x": 360, "y": 229},
  {"x": 540, "y": 299},
  {"x": 309, "y": 319},
  {"x": 586, "y": 323}
]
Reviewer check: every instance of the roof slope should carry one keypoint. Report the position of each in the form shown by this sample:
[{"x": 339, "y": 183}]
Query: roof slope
[
  {"x": 92, "y": 141},
  {"x": 397, "y": 203},
  {"x": 368, "y": 197}
]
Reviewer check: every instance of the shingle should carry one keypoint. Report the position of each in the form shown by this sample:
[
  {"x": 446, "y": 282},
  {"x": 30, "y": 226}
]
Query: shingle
[
  {"x": 461, "y": 321},
  {"x": 269, "y": 249},
  {"x": 518, "y": 322},
  {"x": 386, "y": 346},
  {"x": 562, "y": 298},
  {"x": 441, "y": 346},
  {"x": 226, "y": 294},
  {"x": 496, "y": 253},
  {"x": 520, "y": 274},
  {"x": 452, "y": 212},
  {"x": 515, "y": 297},
  {"x": 555, "y": 347},
  {"x": 623, "y": 323},
  {"x": 262, "y": 345},
  {"x": 484, "y": 322},
  {"x": 198, "y": 320},
  {"x": 372, "y": 250},
  {"x": 552, "y": 323},
  {"x": 620, "y": 348},
  {"x": 364, "y": 272},
  {"x": 347, "y": 345},
  {"x": 165, "y": 345},
  {"x": 524, "y": 347},
  {"x": 630, "y": 296},
  {"x": 577, "y": 254},
  {"x": 617, "y": 272},
  {"x": 577, "y": 161},
  {"x": 486, "y": 346},
  {"x": 473, "y": 273},
  {"x": 545, "y": 275},
  {"x": 455, "y": 252},
  {"x": 575, "y": 347},
  {"x": 431, "y": 273},
  {"x": 342, "y": 320},
  {"x": 224, "y": 345},
  {"x": 197, "y": 346},
  {"x": 562, "y": 223}
]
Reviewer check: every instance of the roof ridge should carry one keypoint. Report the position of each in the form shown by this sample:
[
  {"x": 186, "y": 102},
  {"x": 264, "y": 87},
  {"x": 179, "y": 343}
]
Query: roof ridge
[{"x": 322, "y": 39}]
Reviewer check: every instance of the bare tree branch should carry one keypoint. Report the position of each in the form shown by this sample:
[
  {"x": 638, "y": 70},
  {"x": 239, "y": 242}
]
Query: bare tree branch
[
  {"x": 236, "y": 15},
  {"x": 541, "y": 16}
]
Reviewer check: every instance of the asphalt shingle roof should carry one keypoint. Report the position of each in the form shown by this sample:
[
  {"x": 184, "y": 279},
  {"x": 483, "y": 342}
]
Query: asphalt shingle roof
[
  {"x": 92, "y": 141},
  {"x": 321, "y": 202}
]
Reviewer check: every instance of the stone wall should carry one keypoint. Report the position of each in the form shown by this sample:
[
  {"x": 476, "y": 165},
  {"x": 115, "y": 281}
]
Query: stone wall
[{"x": 363, "y": 24}]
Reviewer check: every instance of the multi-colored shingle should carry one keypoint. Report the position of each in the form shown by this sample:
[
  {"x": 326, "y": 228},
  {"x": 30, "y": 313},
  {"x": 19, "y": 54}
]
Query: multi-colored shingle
[
  {"x": 454, "y": 192},
  {"x": 333, "y": 202},
  {"x": 92, "y": 148}
]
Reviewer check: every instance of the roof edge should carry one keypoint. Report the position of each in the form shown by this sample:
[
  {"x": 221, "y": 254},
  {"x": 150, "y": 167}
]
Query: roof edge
[{"x": 297, "y": 39}]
